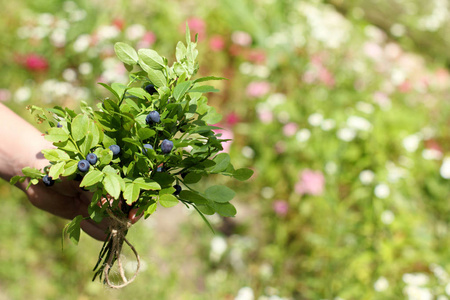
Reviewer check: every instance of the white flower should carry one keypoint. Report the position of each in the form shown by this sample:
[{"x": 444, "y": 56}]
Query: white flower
[
  {"x": 387, "y": 217},
  {"x": 415, "y": 279},
  {"x": 82, "y": 43},
  {"x": 303, "y": 135},
  {"x": 22, "y": 94},
  {"x": 411, "y": 142},
  {"x": 218, "y": 248},
  {"x": 358, "y": 123},
  {"x": 135, "y": 31},
  {"x": 246, "y": 68},
  {"x": 417, "y": 293},
  {"x": 69, "y": 75},
  {"x": 275, "y": 99},
  {"x": 365, "y": 107},
  {"x": 382, "y": 191},
  {"x": 85, "y": 68},
  {"x": 431, "y": 154},
  {"x": 331, "y": 168},
  {"x": 46, "y": 19},
  {"x": 346, "y": 134},
  {"x": 245, "y": 293},
  {"x": 315, "y": 119},
  {"x": 58, "y": 37},
  {"x": 248, "y": 152},
  {"x": 366, "y": 177},
  {"x": 328, "y": 124},
  {"x": 381, "y": 284},
  {"x": 398, "y": 30},
  {"x": 107, "y": 32},
  {"x": 267, "y": 192},
  {"x": 77, "y": 15},
  {"x": 445, "y": 168}
]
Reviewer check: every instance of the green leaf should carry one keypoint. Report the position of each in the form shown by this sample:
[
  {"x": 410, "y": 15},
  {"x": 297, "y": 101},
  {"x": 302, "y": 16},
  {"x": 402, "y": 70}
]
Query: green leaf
[
  {"x": 131, "y": 193},
  {"x": 180, "y": 51},
  {"x": 224, "y": 209},
  {"x": 145, "y": 133},
  {"x": 56, "y": 135},
  {"x": 243, "y": 174},
  {"x": 55, "y": 155},
  {"x": 32, "y": 172},
  {"x": 147, "y": 184},
  {"x": 219, "y": 193},
  {"x": 92, "y": 177},
  {"x": 212, "y": 117},
  {"x": 138, "y": 92},
  {"x": 73, "y": 229},
  {"x": 222, "y": 161},
  {"x": 203, "y": 89},
  {"x": 204, "y": 219},
  {"x": 151, "y": 209},
  {"x": 110, "y": 89},
  {"x": 192, "y": 178},
  {"x": 157, "y": 77},
  {"x": 85, "y": 147},
  {"x": 119, "y": 88},
  {"x": 105, "y": 156},
  {"x": 168, "y": 190},
  {"x": 168, "y": 200},
  {"x": 56, "y": 170},
  {"x": 80, "y": 126},
  {"x": 15, "y": 179},
  {"x": 151, "y": 59},
  {"x": 112, "y": 185},
  {"x": 181, "y": 89},
  {"x": 207, "y": 78},
  {"x": 206, "y": 209},
  {"x": 192, "y": 197},
  {"x": 126, "y": 53},
  {"x": 70, "y": 168}
]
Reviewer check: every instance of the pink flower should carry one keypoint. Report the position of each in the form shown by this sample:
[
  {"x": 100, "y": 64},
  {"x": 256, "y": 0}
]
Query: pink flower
[
  {"x": 5, "y": 95},
  {"x": 290, "y": 129},
  {"x": 216, "y": 43},
  {"x": 241, "y": 38},
  {"x": 265, "y": 115},
  {"x": 256, "y": 56},
  {"x": 196, "y": 25},
  {"x": 227, "y": 134},
  {"x": 310, "y": 182},
  {"x": 281, "y": 207},
  {"x": 36, "y": 62},
  {"x": 232, "y": 119},
  {"x": 258, "y": 89},
  {"x": 147, "y": 40}
]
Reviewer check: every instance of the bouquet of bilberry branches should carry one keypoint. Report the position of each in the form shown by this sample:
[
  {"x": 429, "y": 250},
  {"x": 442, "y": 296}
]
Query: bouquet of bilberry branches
[{"x": 146, "y": 144}]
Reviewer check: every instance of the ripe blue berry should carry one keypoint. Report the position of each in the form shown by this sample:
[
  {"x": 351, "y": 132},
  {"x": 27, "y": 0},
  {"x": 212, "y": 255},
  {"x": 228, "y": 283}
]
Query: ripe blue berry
[
  {"x": 147, "y": 146},
  {"x": 150, "y": 88},
  {"x": 91, "y": 158},
  {"x": 83, "y": 165},
  {"x": 166, "y": 146},
  {"x": 177, "y": 189},
  {"x": 58, "y": 125},
  {"x": 153, "y": 117},
  {"x": 115, "y": 149},
  {"x": 47, "y": 180}
]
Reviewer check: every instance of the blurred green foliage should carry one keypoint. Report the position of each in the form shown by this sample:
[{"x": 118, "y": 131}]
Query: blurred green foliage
[{"x": 345, "y": 125}]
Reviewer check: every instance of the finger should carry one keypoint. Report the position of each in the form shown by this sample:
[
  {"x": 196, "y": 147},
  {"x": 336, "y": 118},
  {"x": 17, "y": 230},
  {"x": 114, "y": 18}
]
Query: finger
[{"x": 93, "y": 230}]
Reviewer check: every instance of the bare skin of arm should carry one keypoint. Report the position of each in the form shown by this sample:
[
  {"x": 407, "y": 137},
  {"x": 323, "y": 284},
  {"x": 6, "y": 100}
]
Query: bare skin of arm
[{"x": 20, "y": 146}]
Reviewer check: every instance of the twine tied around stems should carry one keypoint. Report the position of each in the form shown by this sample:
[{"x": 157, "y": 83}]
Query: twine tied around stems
[{"x": 112, "y": 249}]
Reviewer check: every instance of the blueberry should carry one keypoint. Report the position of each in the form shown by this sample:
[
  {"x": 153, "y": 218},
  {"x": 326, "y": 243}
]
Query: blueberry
[
  {"x": 153, "y": 117},
  {"x": 115, "y": 149},
  {"x": 177, "y": 189},
  {"x": 150, "y": 88},
  {"x": 48, "y": 181},
  {"x": 83, "y": 165},
  {"x": 166, "y": 146},
  {"x": 147, "y": 146},
  {"x": 58, "y": 125},
  {"x": 160, "y": 169},
  {"x": 91, "y": 158}
]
